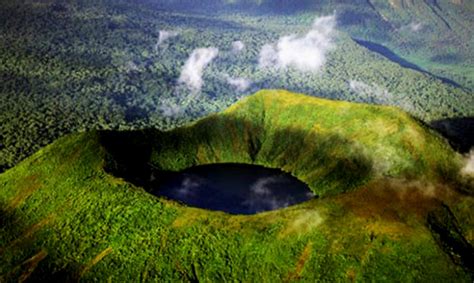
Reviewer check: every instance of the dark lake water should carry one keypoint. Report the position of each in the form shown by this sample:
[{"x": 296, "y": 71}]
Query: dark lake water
[{"x": 233, "y": 188}]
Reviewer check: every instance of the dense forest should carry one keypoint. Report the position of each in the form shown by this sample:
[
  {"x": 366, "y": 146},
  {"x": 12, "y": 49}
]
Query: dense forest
[{"x": 76, "y": 65}]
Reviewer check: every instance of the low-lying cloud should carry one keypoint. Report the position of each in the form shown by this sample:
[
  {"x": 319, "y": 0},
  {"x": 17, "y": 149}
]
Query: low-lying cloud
[
  {"x": 415, "y": 26},
  {"x": 468, "y": 168},
  {"x": 170, "y": 107},
  {"x": 237, "y": 46},
  {"x": 306, "y": 53},
  {"x": 412, "y": 27},
  {"x": 240, "y": 84},
  {"x": 165, "y": 35},
  {"x": 191, "y": 74},
  {"x": 375, "y": 92},
  {"x": 130, "y": 66}
]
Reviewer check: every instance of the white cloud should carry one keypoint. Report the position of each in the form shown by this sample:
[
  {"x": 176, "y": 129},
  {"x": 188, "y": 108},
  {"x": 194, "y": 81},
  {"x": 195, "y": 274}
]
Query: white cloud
[
  {"x": 305, "y": 53},
  {"x": 163, "y": 36},
  {"x": 191, "y": 74},
  {"x": 131, "y": 66},
  {"x": 415, "y": 26},
  {"x": 374, "y": 93},
  {"x": 310, "y": 195},
  {"x": 468, "y": 168},
  {"x": 268, "y": 56},
  {"x": 237, "y": 46},
  {"x": 170, "y": 109},
  {"x": 171, "y": 106},
  {"x": 240, "y": 84},
  {"x": 377, "y": 93}
]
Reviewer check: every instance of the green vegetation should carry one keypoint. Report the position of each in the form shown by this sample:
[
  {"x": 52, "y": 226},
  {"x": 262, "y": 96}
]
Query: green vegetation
[
  {"x": 81, "y": 65},
  {"x": 392, "y": 205},
  {"x": 332, "y": 146},
  {"x": 65, "y": 218}
]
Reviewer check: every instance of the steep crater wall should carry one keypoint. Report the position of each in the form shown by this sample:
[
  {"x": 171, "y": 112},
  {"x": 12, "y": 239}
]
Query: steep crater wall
[{"x": 331, "y": 146}]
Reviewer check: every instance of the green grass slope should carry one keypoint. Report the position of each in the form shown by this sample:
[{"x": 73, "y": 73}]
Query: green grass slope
[
  {"x": 332, "y": 146},
  {"x": 391, "y": 208}
]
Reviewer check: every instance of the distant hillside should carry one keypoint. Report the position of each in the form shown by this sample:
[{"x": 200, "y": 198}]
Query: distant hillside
[
  {"x": 436, "y": 35},
  {"x": 80, "y": 65},
  {"x": 392, "y": 203}
]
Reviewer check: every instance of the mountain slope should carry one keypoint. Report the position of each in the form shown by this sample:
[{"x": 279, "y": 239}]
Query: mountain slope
[
  {"x": 68, "y": 212},
  {"x": 316, "y": 140}
]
